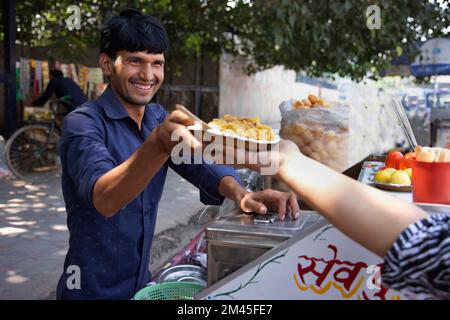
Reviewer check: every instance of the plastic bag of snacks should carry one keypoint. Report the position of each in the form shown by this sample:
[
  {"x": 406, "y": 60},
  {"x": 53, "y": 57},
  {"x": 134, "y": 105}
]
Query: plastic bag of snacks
[
  {"x": 321, "y": 129},
  {"x": 340, "y": 134}
]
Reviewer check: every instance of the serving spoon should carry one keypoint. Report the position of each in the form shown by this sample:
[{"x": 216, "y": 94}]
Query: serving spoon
[{"x": 186, "y": 111}]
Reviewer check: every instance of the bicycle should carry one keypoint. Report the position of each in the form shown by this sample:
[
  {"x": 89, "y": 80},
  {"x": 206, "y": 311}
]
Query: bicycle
[{"x": 32, "y": 151}]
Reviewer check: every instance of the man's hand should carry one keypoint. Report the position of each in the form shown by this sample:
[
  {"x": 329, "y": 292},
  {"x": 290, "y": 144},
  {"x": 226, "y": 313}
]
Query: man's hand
[
  {"x": 271, "y": 200},
  {"x": 175, "y": 126},
  {"x": 260, "y": 202},
  {"x": 121, "y": 185}
]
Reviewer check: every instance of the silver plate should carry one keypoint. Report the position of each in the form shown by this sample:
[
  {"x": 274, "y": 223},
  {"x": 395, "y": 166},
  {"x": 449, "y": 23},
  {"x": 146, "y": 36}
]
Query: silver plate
[
  {"x": 237, "y": 222},
  {"x": 183, "y": 273}
]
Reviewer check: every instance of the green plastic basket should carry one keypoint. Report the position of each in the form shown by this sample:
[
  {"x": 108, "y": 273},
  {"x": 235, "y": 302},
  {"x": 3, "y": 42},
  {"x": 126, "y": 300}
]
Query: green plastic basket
[{"x": 169, "y": 291}]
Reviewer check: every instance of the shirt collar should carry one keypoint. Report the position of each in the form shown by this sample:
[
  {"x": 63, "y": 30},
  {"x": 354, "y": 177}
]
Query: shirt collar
[
  {"x": 112, "y": 105},
  {"x": 115, "y": 110}
]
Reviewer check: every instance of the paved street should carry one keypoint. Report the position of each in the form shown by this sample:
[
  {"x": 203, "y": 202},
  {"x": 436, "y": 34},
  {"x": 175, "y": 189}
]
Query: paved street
[{"x": 34, "y": 236}]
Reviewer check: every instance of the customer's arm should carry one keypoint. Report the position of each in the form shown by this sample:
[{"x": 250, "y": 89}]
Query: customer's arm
[
  {"x": 369, "y": 216},
  {"x": 414, "y": 245}
]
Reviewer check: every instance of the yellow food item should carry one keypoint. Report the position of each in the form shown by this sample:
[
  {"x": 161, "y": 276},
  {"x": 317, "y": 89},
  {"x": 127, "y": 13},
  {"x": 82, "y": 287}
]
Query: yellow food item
[
  {"x": 301, "y": 105},
  {"x": 400, "y": 177},
  {"x": 316, "y": 138},
  {"x": 306, "y": 150},
  {"x": 320, "y": 143},
  {"x": 383, "y": 175},
  {"x": 311, "y": 102},
  {"x": 307, "y": 102},
  {"x": 243, "y": 127},
  {"x": 315, "y": 156},
  {"x": 409, "y": 172},
  {"x": 313, "y": 99},
  {"x": 308, "y": 137}
]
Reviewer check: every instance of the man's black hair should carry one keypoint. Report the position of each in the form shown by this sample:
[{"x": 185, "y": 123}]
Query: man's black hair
[
  {"x": 133, "y": 31},
  {"x": 55, "y": 73}
]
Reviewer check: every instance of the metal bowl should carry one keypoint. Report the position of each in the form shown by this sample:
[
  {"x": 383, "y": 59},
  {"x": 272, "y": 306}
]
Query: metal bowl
[{"x": 183, "y": 273}]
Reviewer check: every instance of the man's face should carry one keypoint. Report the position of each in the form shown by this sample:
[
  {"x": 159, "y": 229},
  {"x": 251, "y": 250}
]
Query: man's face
[{"x": 134, "y": 76}]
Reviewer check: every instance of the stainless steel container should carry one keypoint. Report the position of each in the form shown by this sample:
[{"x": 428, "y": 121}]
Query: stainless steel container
[
  {"x": 237, "y": 238},
  {"x": 183, "y": 273}
]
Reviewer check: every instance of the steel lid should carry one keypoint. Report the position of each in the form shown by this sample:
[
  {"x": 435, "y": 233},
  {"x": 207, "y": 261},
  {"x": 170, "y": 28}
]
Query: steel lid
[{"x": 237, "y": 221}]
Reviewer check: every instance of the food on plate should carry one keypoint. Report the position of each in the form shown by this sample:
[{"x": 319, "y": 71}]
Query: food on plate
[
  {"x": 396, "y": 160},
  {"x": 409, "y": 172},
  {"x": 390, "y": 175},
  {"x": 311, "y": 102},
  {"x": 243, "y": 127},
  {"x": 400, "y": 177},
  {"x": 407, "y": 160},
  {"x": 383, "y": 175},
  {"x": 390, "y": 170},
  {"x": 393, "y": 159}
]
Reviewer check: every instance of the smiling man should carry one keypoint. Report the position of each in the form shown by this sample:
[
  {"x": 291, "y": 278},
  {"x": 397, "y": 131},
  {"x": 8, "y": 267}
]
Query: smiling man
[{"x": 115, "y": 152}]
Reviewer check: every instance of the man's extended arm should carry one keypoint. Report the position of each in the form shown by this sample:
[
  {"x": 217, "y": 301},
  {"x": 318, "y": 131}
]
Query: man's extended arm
[{"x": 121, "y": 185}]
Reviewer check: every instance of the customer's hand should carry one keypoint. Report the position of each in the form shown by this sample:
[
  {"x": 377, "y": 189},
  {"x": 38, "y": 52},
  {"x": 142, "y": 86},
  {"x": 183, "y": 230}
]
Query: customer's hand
[
  {"x": 169, "y": 133},
  {"x": 270, "y": 200},
  {"x": 266, "y": 162},
  {"x": 286, "y": 151}
]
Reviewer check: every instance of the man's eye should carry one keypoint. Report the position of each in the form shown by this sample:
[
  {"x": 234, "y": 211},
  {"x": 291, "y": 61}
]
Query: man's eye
[{"x": 134, "y": 61}]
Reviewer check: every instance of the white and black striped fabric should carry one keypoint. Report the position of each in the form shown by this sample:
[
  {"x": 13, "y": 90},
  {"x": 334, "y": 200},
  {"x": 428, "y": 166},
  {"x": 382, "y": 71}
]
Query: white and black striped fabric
[{"x": 418, "y": 264}]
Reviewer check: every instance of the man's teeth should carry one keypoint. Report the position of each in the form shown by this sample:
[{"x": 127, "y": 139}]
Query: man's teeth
[{"x": 142, "y": 86}]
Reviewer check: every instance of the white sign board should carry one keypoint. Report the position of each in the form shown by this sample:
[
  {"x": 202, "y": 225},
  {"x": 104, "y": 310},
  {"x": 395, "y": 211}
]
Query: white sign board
[{"x": 324, "y": 265}]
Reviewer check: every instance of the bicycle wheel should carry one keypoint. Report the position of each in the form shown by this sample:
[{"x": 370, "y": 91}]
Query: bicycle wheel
[{"x": 32, "y": 153}]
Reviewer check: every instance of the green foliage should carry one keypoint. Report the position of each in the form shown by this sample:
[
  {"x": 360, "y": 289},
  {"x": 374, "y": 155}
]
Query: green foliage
[{"x": 319, "y": 37}]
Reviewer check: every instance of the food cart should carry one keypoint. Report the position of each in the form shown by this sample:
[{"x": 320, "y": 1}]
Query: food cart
[
  {"x": 308, "y": 258},
  {"x": 254, "y": 257}
]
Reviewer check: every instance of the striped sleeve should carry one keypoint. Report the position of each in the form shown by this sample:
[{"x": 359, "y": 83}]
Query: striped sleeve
[{"x": 418, "y": 264}]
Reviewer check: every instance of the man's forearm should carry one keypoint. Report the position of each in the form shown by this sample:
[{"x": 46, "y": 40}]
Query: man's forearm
[{"x": 121, "y": 185}]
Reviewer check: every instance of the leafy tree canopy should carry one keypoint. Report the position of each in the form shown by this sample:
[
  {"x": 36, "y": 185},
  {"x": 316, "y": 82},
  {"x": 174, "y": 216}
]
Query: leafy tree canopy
[{"x": 319, "y": 37}]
